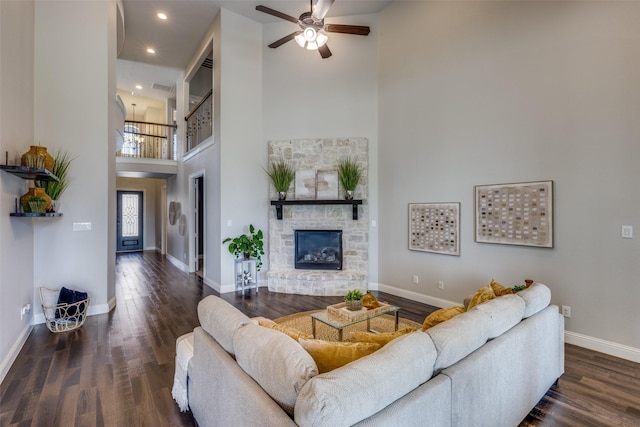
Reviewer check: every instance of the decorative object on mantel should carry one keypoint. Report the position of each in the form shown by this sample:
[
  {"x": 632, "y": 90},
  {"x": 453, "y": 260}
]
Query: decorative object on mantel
[
  {"x": 370, "y": 301},
  {"x": 349, "y": 174},
  {"x": 36, "y": 194},
  {"x": 61, "y": 162},
  {"x": 434, "y": 227},
  {"x": 247, "y": 245},
  {"x": 305, "y": 187},
  {"x": 38, "y": 155},
  {"x": 327, "y": 184},
  {"x": 353, "y": 299},
  {"x": 515, "y": 214},
  {"x": 282, "y": 175}
]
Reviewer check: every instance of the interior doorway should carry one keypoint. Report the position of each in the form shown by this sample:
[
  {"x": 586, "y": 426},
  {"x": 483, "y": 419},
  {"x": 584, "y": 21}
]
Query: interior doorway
[
  {"x": 198, "y": 235},
  {"x": 129, "y": 221}
]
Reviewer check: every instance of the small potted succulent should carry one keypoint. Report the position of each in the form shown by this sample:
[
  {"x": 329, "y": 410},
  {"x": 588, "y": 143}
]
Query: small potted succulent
[
  {"x": 349, "y": 174},
  {"x": 353, "y": 300},
  {"x": 248, "y": 245},
  {"x": 282, "y": 175}
]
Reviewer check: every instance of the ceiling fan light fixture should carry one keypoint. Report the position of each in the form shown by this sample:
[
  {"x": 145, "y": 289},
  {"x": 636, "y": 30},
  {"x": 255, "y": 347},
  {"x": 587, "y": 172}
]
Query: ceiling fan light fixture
[
  {"x": 310, "y": 34},
  {"x": 311, "y": 40},
  {"x": 321, "y": 39},
  {"x": 300, "y": 40}
]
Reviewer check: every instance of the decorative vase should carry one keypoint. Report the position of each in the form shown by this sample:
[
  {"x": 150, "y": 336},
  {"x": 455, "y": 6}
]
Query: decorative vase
[
  {"x": 34, "y": 192},
  {"x": 348, "y": 194},
  {"x": 282, "y": 195},
  {"x": 370, "y": 301},
  {"x": 354, "y": 305},
  {"x": 33, "y": 157},
  {"x": 528, "y": 282}
]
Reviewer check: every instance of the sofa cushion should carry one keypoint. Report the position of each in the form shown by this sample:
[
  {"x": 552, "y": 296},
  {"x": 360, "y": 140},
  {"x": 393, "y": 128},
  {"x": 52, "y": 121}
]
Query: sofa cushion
[
  {"x": 292, "y": 332},
  {"x": 505, "y": 312},
  {"x": 483, "y": 294},
  {"x": 498, "y": 289},
  {"x": 221, "y": 320},
  {"x": 276, "y": 362},
  {"x": 441, "y": 315},
  {"x": 360, "y": 389},
  {"x": 330, "y": 355},
  {"x": 383, "y": 338},
  {"x": 457, "y": 338},
  {"x": 536, "y": 297}
]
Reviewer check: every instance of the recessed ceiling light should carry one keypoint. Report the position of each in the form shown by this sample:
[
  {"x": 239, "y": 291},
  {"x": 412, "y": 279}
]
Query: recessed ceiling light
[
  {"x": 151, "y": 50},
  {"x": 138, "y": 87},
  {"x": 162, "y": 16}
]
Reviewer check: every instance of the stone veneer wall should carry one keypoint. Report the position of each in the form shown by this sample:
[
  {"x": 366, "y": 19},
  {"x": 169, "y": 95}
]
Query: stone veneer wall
[{"x": 320, "y": 154}]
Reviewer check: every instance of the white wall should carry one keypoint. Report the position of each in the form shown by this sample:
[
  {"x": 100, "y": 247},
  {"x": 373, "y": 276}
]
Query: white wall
[
  {"x": 16, "y": 134},
  {"x": 74, "y": 83},
  {"x": 305, "y": 96},
  {"x": 494, "y": 92}
]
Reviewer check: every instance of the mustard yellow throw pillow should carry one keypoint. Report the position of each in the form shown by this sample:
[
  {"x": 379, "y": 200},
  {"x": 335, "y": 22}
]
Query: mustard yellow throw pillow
[
  {"x": 382, "y": 338},
  {"x": 483, "y": 294},
  {"x": 294, "y": 333},
  {"x": 441, "y": 315},
  {"x": 498, "y": 289},
  {"x": 331, "y": 355}
]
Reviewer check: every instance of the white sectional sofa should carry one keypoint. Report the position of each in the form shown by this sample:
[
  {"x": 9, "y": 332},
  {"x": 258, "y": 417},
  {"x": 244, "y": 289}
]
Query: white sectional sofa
[{"x": 485, "y": 367}]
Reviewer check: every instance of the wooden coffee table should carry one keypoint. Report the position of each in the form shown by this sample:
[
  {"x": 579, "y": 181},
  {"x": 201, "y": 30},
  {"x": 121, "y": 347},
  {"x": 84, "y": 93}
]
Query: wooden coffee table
[{"x": 340, "y": 323}]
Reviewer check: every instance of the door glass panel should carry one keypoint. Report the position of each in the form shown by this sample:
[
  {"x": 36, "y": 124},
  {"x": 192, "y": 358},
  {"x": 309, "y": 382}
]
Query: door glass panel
[{"x": 129, "y": 215}]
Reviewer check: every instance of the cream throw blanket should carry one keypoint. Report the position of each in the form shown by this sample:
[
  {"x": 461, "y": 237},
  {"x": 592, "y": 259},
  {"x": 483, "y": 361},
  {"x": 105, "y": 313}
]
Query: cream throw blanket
[{"x": 184, "y": 353}]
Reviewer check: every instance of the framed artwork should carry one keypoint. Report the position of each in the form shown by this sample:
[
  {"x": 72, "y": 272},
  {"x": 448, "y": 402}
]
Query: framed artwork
[
  {"x": 305, "y": 185},
  {"x": 327, "y": 185},
  {"x": 515, "y": 214},
  {"x": 434, "y": 227}
]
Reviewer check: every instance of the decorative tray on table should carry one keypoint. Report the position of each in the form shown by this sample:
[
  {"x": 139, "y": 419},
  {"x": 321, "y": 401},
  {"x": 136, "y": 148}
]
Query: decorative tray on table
[{"x": 341, "y": 310}]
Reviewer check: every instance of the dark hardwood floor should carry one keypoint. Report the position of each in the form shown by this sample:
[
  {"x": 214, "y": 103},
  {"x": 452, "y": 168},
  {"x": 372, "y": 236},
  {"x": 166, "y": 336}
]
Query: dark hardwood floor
[{"x": 117, "y": 370}]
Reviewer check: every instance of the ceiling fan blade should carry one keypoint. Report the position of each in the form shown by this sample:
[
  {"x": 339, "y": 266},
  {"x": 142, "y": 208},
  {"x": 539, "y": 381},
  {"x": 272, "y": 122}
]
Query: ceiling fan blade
[
  {"x": 347, "y": 29},
  {"x": 324, "y": 51},
  {"x": 283, "y": 40},
  {"x": 277, "y": 14},
  {"x": 321, "y": 8}
]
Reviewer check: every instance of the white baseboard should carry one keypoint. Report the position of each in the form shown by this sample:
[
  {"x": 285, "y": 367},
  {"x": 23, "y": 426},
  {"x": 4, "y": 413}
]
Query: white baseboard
[
  {"x": 6, "y": 363},
  {"x": 595, "y": 344},
  {"x": 414, "y": 296},
  {"x": 176, "y": 262},
  {"x": 603, "y": 346}
]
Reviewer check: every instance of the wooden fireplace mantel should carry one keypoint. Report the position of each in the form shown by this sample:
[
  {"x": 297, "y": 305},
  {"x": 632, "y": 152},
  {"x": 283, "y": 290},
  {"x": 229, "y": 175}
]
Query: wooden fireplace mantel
[{"x": 279, "y": 203}]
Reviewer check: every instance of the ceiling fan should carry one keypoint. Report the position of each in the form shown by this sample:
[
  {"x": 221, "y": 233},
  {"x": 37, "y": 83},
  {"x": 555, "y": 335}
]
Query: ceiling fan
[{"x": 310, "y": 35}]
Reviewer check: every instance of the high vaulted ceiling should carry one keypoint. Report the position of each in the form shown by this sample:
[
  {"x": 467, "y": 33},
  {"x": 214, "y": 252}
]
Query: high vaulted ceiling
[{"x": 176, "y": 39}]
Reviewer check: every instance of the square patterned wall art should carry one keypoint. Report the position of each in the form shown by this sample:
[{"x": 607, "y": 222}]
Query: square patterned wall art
[
  {"x": 515, "y": 214},
  {"x": 434, "y": 227}
]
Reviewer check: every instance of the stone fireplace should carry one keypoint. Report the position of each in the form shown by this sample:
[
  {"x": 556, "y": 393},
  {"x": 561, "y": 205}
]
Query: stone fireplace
[{"x": 319, "y": 155}]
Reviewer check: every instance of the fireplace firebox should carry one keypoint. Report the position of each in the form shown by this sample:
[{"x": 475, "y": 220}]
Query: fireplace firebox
[{"x": 318, "y": 249}]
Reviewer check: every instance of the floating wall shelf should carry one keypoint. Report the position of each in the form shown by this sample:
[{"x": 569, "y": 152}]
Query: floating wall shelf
[
  {"x": 279, "y": 203},
  {"x": 40, "y": 174}
]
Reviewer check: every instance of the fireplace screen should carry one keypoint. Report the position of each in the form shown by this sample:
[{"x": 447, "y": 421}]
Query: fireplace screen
[{"x": 318, "y": 249}]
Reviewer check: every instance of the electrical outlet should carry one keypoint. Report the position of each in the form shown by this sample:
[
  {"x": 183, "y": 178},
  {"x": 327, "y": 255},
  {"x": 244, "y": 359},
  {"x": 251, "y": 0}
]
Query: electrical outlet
[
  {"x": 416, "y": 279},
  {"x": 440, "y": 284},
  {"x": 566, "y": 311}
]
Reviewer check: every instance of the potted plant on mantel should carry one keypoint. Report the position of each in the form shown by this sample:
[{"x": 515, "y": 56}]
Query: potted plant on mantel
[
  {"x": 282, "y": 175},
  {"x": 248, "y": 246},
  {"x": 349, "y": 174}
]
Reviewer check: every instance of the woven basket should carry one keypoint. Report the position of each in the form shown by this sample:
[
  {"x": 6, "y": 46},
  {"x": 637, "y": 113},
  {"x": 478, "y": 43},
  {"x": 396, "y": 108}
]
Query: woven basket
[{"x": 69, "y": 316}]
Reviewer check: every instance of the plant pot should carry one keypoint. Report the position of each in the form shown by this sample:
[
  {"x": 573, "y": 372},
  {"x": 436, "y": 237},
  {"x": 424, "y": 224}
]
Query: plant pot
[
  {"x": 282, "y": 195},
  {"x": 348, "y": 195},
  {"x": 354, "y": 305},
  {"x": 34, "y": 192},
  {"x": 33, "y": 157}
]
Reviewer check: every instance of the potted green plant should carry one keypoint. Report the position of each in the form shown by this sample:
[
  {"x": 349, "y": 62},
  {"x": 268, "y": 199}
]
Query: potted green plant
[
  {"x": 353, "y": 300},
  {"x": 349, "y": 174},
  {"x": 282, "y": 175},
  {"x": 61, "y": 162},
  {"x": 247, "y": 245}
]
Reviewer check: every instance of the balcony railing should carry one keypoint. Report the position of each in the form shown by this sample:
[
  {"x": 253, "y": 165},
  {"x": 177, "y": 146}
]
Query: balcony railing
[
  {"x": 200, "y": 122},
  {"x": 149, "y": 141}
]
